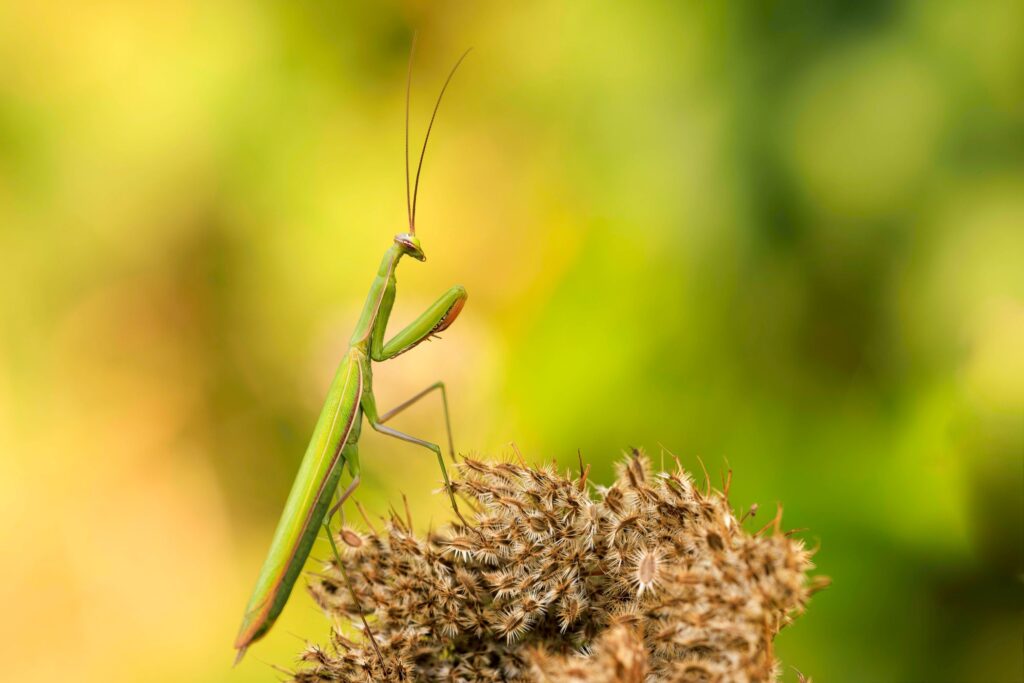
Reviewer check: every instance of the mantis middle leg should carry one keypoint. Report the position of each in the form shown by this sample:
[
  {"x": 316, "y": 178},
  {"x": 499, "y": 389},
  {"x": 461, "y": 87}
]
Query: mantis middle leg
[
  {"x": 444, "y": 403},
  {"x": 370, "y": 410}
]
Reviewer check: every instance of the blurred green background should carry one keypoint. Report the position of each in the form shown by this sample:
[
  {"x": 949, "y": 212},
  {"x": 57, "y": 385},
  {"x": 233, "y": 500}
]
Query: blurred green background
[{"x": 784, "y": 237}]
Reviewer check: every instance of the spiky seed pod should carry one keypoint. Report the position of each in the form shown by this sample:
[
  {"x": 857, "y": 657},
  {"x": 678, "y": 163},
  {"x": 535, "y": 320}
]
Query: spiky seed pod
[
  {"x": 619, "y": 656},
  {"x": 650, "y": 579},
  {"x": 645, "y": 570}
]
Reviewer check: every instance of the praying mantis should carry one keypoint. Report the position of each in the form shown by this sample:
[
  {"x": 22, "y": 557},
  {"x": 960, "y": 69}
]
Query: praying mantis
[{"x": 334, "y": 444}]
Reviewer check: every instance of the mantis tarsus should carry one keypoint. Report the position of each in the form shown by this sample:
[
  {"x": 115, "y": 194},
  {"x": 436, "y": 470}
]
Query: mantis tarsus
[{"x": 334, "y": 443}]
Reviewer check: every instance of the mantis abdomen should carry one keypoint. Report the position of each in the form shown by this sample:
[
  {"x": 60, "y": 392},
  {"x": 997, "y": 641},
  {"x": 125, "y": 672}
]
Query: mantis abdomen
[{"x": 309, "y": 499}]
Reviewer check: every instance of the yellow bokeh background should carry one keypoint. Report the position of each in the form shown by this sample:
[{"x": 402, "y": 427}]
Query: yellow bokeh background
[{"x": 784, "y": 238}]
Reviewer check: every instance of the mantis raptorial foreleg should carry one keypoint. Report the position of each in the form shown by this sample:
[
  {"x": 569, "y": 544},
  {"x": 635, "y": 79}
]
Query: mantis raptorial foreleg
[{"x": 437, "y": 318}]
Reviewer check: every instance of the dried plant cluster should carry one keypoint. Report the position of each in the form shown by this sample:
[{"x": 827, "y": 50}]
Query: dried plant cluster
[{"x": 556, "y": 579}]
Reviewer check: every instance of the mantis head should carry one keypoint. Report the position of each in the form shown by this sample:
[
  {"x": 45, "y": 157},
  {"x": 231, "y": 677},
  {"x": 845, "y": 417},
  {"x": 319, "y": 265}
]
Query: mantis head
[{"x": 410, "y": 245}]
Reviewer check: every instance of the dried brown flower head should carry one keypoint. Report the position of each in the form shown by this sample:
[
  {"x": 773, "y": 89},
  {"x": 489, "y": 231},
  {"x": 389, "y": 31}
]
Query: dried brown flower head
[{"x": 555, "y": 579}]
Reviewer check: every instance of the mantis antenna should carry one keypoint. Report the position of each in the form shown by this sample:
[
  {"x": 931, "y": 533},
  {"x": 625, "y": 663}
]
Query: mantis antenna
[
  {"x": 408, "y": 89},
  {"x": 411, "y": 205}
]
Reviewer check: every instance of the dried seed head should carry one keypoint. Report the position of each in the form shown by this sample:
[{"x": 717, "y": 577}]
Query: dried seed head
[{"x": 648, "y": 579}]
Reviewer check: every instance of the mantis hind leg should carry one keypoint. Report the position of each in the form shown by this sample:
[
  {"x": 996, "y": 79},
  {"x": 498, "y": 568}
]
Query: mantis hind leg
[{"x": 350, "y": 453}]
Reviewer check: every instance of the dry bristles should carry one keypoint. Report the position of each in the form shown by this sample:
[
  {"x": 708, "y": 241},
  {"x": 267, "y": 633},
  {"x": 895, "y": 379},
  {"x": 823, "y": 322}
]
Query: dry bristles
[{"x": 650, "y": 579}]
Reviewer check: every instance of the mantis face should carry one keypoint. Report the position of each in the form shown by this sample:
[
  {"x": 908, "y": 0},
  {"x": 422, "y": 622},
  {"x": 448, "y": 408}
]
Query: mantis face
[{"x": 410, "y": 244}]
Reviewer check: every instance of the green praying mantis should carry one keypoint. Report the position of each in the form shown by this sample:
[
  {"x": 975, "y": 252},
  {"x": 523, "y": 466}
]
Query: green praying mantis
[{"x": 335, "y": 439}]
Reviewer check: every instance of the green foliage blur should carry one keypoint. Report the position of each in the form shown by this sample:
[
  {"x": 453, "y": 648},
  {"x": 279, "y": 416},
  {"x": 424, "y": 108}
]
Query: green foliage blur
[{"x": 785, "y": 238}]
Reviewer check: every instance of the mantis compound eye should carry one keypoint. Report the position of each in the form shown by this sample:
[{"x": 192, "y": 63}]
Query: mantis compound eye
[{"x": 411, "y": 245}]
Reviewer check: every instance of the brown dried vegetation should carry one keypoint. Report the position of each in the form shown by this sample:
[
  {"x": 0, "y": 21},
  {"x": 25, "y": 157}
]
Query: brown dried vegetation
[{"x": 557, "y": 580}]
